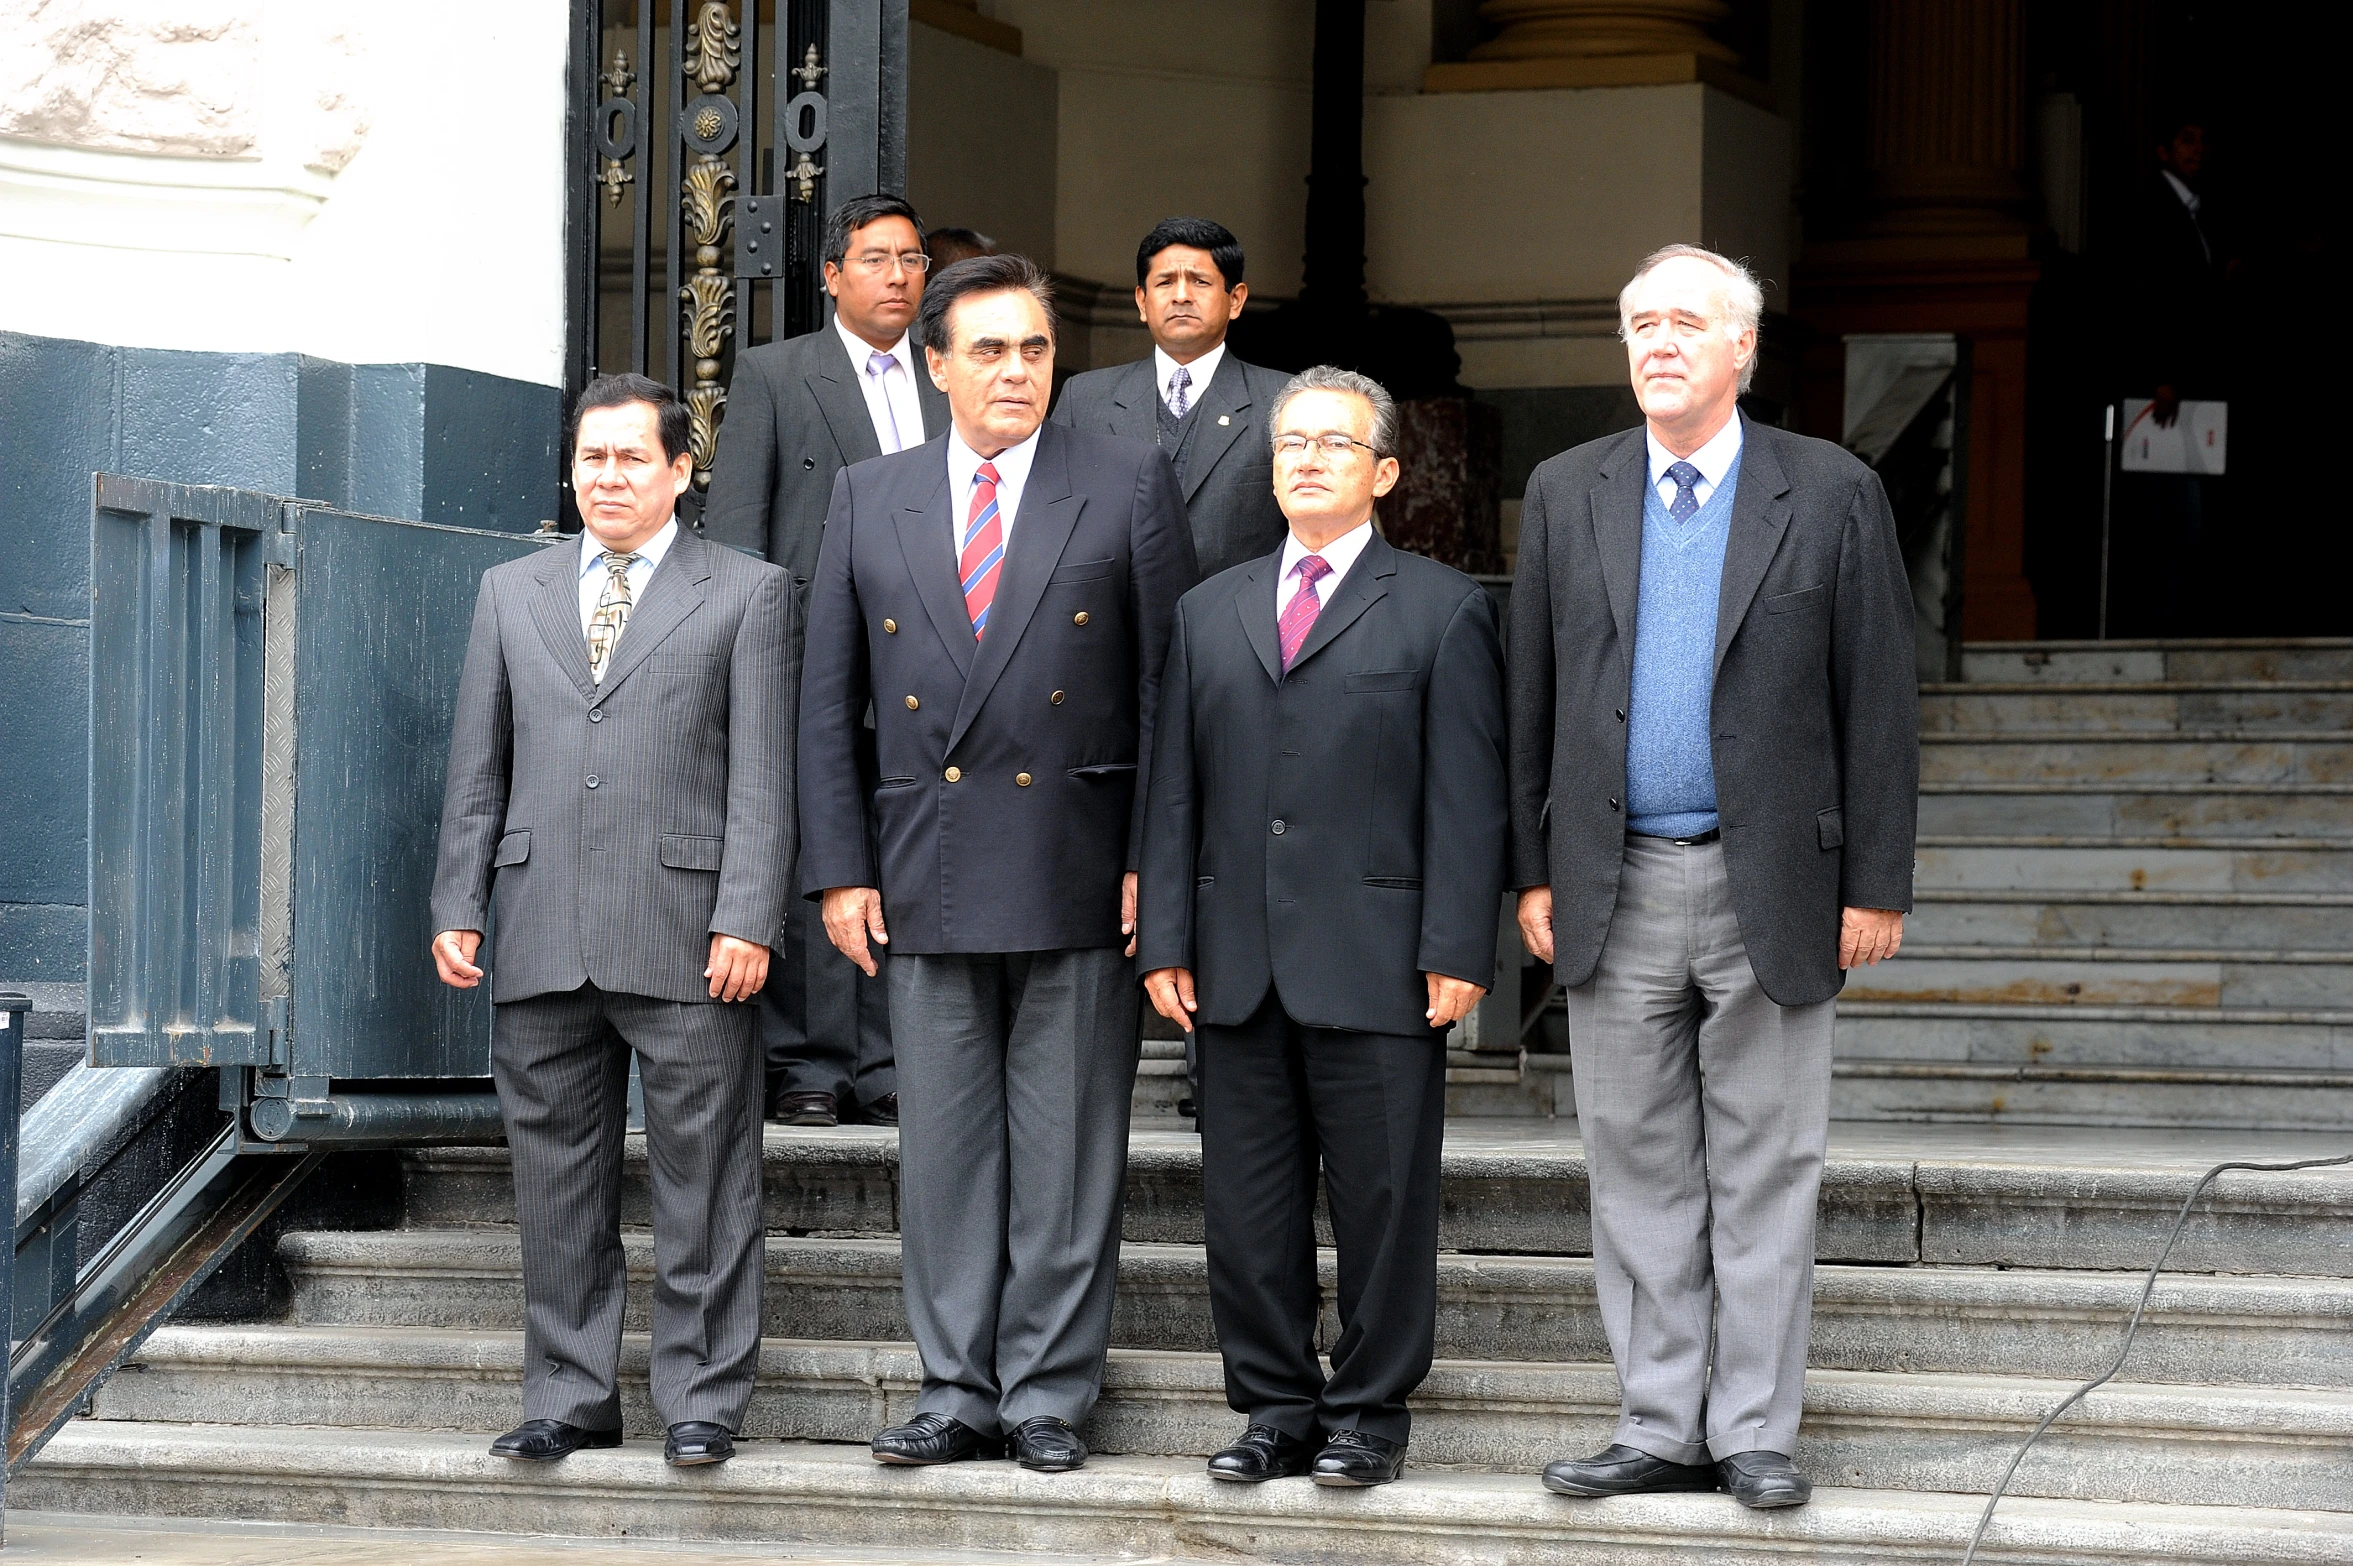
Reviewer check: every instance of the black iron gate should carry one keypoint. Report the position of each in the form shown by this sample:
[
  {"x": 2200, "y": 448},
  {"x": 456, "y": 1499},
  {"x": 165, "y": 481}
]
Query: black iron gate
[{"x": 711, "y": 138}]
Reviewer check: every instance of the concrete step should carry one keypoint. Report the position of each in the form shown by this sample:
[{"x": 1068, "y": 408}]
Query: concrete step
[
  {"x": 2278, "y": 1331},
  {"x": 1115, "y": 1507},
  {"x": 2091, "y": 1034},
  {"x": 2092, "y": 1095},
  {"x": 2249, "y": 706},
  {"x": 2139, "y": 810},
  {"x": 2164, "y": 757},
  {"x": 2159, "y": 921},
  {"x": 1889, "y": 1195},
  {"x": 2061, "y": 663},
  {"x": 2090, "y": 975},
  {"x": 2199, "y": 1446},
  {"x": 2011, "y": 860}
]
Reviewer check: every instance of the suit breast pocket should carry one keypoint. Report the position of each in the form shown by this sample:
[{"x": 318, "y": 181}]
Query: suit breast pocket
[
  {"x": 1081, "y": 571},
  {"x": 1375, "y": 681},
  {"x": 1798, "y": 602}
]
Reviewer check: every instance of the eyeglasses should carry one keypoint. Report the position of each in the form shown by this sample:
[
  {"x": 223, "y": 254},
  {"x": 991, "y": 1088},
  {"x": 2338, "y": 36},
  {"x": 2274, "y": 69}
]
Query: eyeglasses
[
  {"x": 875, "y": 262},
  {"x": 1334, "y": 445}
]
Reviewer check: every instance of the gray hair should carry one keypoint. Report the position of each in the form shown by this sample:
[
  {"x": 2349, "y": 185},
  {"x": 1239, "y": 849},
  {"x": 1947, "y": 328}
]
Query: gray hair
[
  {"x": 1743, "y": 296},
  {"x": 1330, "y": 377}
]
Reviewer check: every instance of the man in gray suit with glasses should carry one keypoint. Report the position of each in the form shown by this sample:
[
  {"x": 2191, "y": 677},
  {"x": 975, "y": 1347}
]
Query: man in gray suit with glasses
[{"x": 620, "y": 782}]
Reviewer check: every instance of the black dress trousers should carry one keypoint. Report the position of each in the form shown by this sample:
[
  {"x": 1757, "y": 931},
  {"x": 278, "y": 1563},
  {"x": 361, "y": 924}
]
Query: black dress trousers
[{"x": 1280, "y": 1100}]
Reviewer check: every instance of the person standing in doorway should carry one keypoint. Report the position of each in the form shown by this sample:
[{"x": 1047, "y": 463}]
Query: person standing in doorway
[
  {"x": 1714, "y": 776},
  {"x": 798, "y": 412},
  {"x": 1323, "y": 858},
  {"x": 1001, "y": 599},
  {"x": 621, "y": 780}
]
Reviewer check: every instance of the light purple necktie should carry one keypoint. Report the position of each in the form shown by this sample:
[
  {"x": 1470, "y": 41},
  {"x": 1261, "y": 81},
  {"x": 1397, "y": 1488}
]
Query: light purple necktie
[
  {"x": 1299, "y": 615},
  {"x": 878, "y": 365},
  {"x": 1179, "y": 384}
]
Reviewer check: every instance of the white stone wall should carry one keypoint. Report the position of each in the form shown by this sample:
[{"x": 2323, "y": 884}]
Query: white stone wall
[{"x": 367, "y": 182}]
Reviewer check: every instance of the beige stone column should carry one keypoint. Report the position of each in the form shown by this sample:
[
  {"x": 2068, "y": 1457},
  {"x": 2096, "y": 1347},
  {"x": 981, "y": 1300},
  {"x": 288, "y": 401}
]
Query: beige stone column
[{"x": 1597, "y": 43}]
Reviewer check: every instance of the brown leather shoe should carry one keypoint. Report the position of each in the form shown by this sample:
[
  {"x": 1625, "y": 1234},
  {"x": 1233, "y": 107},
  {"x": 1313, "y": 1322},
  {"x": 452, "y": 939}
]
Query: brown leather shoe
[{"x": 804, "y": 1109}]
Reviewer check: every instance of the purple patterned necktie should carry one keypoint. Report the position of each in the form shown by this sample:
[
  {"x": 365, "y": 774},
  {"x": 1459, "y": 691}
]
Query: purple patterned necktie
[
  {"x": 1686, "y": 501},
  {"x": 1299, "y": 617}
]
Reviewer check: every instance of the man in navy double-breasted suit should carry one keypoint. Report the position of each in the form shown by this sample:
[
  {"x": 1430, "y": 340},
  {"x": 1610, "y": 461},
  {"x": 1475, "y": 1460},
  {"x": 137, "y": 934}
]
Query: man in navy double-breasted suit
[{"x": 1002, "y": 596}]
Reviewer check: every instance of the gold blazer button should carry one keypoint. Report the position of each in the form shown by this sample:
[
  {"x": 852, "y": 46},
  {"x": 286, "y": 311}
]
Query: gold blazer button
[
  {"x": 955, "y": 774},
  {"x": 890, "y": 627},
  {"x": 1079, "y": 618},
  {"x": 1021, "y": 780},
  {"x": 1056, "y": 698}
]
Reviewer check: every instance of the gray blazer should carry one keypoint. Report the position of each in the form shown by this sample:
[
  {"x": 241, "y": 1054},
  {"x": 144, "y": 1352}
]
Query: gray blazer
[
  {"x": 796, "y": 416},
  {"x": 1230, "y": 495},
  {"x": 622, "y": 825},
  {"x": 1816, "y": 709}
]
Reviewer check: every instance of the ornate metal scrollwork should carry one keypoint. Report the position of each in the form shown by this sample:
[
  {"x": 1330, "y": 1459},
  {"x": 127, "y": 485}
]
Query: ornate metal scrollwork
[
  {"x": 708, "y": 126},
  {"x": 616, "y": 127}
]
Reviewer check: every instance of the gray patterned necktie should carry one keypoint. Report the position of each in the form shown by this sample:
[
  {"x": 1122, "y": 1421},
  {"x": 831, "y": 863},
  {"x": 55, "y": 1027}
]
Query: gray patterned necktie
[
  {"x": 612, "y": 614},
  {"x": 1178, "y": 385}
]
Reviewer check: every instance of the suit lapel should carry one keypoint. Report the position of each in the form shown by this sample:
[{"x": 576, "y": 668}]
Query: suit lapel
[
  {"x": 555, "y": 610},
  {"x": 1134, "y": 404},
  {"x": 1617, "y": 528},
  {"x": 1227, "y": 398},
  {"x": 1256, "y": 604},
  {"x": 840, "y": 399},
  {"x": 676, "y": 590},
  {"x": 1366, "y": 584},
  {"x": 1759, "y": 517},
  {"x": 927, "y": 537},
  {"x": 1041, "y": 527}
]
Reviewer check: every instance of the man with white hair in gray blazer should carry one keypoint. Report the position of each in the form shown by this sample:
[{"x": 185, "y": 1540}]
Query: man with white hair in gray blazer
[
  {"x": 620, "y": 779},
  {"x": 1715, "y": 760}
]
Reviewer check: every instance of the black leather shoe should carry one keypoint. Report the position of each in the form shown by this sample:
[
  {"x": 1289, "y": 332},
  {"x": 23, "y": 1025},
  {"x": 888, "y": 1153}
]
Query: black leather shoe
[
  {"x": 545, "y": 1440},
  {"x": 884, "y": 1111},
  {"x": 694, "y": 1442},
  {"x": 1263, "y": 1453},
  {"x": 933, "y": 1438},
  {"x": 1357, "y": 1458},
  {"x": 1764, "y": 1480},
  {"x": 804, "y": 1109},
  {"x": 1621, "y": 1470},
  {"x": 1047, "y": 1445}
]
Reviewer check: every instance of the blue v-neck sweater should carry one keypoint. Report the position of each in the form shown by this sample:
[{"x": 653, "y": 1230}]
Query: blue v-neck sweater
[{"x": 1670, "y": 769}]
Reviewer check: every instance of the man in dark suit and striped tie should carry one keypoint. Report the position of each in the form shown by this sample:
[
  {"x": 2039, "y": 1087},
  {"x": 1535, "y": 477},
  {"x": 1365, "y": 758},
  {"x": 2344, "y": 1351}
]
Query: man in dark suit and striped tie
[
  {"x": 1002, "y": 596},
  {"x": 620, "y": 779}
]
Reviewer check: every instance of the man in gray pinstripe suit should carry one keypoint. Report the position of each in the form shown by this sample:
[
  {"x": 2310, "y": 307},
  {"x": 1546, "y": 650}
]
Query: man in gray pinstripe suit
[{"x": 620, "y": 773}]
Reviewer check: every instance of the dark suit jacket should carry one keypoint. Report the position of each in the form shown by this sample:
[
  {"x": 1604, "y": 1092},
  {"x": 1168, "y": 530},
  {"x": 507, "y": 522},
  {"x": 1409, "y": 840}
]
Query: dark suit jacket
[
  {"x": 796, "y": 416},
  {"x": 1230, "y": 496},
  {"x": 623, "y": 825},
  {"x": 1340, "y": 830},
  {"x": 2179, "y": 330},
  {"x": 1007, "y": 808},
  {"x": 1816, "y": 710}
]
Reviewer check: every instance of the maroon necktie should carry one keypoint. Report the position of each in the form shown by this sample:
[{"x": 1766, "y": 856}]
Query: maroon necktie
[{"x": 1299, "y": 618}]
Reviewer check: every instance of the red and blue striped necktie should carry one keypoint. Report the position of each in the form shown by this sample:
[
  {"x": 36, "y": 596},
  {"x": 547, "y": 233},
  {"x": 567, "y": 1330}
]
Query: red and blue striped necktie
[{"x": 984, "y": 549}]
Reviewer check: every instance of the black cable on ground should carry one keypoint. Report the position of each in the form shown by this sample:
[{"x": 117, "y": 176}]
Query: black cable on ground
[{"x": 2181, "y": 1220}]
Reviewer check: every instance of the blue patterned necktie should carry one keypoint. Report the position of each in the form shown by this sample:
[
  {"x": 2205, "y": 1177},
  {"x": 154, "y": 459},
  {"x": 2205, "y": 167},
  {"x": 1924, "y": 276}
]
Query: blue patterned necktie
[
  {"x": 1686, "y": 501},
  {"x": 1180, "y": 385}
]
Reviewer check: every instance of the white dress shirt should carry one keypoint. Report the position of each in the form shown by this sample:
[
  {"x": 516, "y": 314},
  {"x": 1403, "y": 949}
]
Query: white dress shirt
[
  {"x": 1203, "y": 370},
  {"x": 1012, "y": 465},
  {"x": 1713, "y": 460},
  {"x": 641, "y": 570},
  {"x": 2193, "y": 201},
  {"x": 1339, "y": 554},
  {"x": 890, "y": 397}
]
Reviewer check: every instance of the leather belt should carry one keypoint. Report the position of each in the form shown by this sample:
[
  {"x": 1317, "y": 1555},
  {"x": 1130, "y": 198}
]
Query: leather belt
[{"x": 1696, "y": 840}]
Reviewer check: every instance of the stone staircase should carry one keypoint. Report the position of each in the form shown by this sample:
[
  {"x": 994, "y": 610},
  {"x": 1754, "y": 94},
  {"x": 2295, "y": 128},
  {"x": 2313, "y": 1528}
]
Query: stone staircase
[
  {"x": 2094, "y": 1008},
  {"x": 2135, "y": 899}
]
